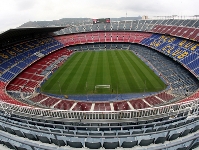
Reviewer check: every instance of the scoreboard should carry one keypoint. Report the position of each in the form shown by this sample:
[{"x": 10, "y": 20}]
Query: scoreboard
[{"x": 101, "y": 20}]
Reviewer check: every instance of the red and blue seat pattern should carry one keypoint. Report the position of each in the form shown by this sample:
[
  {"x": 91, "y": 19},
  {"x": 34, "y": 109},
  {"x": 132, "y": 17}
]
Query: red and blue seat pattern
[{"x": 27, "y": 80}]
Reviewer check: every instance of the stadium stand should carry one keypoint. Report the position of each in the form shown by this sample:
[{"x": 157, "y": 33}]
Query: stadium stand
[{"x": 165, "y": 120}]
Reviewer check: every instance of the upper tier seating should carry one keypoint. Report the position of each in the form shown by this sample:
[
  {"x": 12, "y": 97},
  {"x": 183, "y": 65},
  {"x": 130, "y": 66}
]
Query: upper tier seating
[
  {"x": 15, "y": 59},
  {"x": 176, "y": 130},
  {"x": 158, "y": 26},
  {"x": 146, "y": 102},
  {"x": 32, "y": 76},
  {"x": 133, "y": 37},
  {"x": 179, "y": 49},
  {"x": 173, "y": 131},
  {"x": 186, "y": 32}
]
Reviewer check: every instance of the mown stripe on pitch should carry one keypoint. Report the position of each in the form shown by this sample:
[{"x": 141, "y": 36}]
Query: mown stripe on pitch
[
  {"x": 130, "y": 82},
  {"x": 151, "y": 79},
  {"x": 141, "y": 71},
  {"x": 133, "y": 76},
  {"x": 113, "y": 72},
  {"x": 83, "y": 77},
  {"x": 99, "y": 77},
  {"x": 78, "y": 73},
  {"x": 106, "y": 70},
  {"x": 92, "y": 74},
  {"x": 136, "y": 74},
  {"x": 69, "y": 74},
  {"x": 123, "y": 85}
]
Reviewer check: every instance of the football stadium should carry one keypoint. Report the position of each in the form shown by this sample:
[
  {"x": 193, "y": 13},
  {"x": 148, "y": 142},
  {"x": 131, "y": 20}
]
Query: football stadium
[{"x": 82, "y": 83}]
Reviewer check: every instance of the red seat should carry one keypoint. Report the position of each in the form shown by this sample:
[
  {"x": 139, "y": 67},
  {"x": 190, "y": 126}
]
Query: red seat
[
  {"x": 123, "y": 105},
  {"x": 152, "y": 100},
  {"x": 165, "y": 96},
  {"x": 82, "y": 106},
  {"x": 138, "y": 104},
  {"x": 64, "y": 105},
  {"x": 38, "y": 98},
  {"x": 102, "y": 107}
]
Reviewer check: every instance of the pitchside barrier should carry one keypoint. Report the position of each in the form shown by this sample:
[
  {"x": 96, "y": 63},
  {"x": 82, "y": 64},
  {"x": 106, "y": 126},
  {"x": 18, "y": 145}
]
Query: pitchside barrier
[{"x": 133, "y": 115}]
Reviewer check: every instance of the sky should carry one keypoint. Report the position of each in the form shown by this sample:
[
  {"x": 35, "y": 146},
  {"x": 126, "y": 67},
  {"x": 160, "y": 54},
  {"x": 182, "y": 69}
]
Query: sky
[{"x": 14, "y": 13}]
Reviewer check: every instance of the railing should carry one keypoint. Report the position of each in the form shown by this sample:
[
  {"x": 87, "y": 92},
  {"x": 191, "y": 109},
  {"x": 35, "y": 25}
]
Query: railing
[
  {"x": 134, "y": 115},
  {"x": 190, "y": 139},
  {"x": 140, "y": 114}
]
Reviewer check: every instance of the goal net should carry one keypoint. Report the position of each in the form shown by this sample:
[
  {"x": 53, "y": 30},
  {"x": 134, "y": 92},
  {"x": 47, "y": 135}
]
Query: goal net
[{"x": 102, "y": 87}]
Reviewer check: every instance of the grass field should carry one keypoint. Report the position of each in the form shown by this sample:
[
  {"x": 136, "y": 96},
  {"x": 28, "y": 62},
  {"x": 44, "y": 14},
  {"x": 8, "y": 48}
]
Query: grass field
[{"x": 121, "y": 69}]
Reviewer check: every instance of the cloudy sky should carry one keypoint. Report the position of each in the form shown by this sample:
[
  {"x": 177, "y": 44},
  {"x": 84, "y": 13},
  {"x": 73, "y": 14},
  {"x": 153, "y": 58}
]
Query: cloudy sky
[{"x": 13, "y": 13}]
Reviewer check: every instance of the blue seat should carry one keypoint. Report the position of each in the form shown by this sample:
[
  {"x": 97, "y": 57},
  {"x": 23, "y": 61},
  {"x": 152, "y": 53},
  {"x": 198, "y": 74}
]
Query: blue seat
[
  {"x": 185, "y": 132},
  {"x": 9, "y": 144},
  {"x": 59, "y": 126},
  {"x": 1, "y": 127},
  {"x": 45, "y": 138},
  {"x": 104, "y": 128},
  {"x": 69, "y": 133},
  {"x": 75, "y": 142},
  {"x": 136, "y": 131},
  {"x": 109, "y": 133},
  {"x": 145, "y": 140},
  {"x": 24, "y": 147},
  {"x": 59, "y": 140},
  {"x": 123, "y": 132},
  {"x": 84, "y": 133},
  {"x": 92, "y": 128},
  {"x": 18, "y": 132},
  {"x": 44, "y": 129},
  {"x": 19, "y": 146},
  {"x": 180, "y": 123},
  {"x": 110, "y": 143},
  {"x": 195, "y": 128},
  {"x": 95, "y": 133},
  {"x": 56, "y": 130},
  {"x": 159, "y": 137},
  {"x": 195, "y": 144},
  {"x": 163, "y": 127},
  {"x": 173, "y": 135},
  {"x": 171, "y": 126},
  {"x": 150, "y": 130},
  {"x": 93, "y": 143},
  {"x": 128, "y": 142},
  {"x": 30, "y": 136},
  {"x": 9, "y": 130}
]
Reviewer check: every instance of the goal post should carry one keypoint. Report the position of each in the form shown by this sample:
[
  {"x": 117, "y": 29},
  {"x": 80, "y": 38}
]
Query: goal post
[{"x": 102, "y": 87}]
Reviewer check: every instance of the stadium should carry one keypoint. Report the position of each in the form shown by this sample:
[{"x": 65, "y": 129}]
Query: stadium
[{"x": 100, "y": 84}]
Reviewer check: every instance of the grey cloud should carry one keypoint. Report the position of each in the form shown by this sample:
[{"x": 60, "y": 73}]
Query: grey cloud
[
  {"x": 15, "y": 12},
  {"x": 24, "y": 5}
]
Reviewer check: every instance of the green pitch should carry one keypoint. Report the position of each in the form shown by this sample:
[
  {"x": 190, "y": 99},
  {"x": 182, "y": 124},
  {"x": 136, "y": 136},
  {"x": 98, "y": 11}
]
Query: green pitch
[{"x": 121, "y": 69}]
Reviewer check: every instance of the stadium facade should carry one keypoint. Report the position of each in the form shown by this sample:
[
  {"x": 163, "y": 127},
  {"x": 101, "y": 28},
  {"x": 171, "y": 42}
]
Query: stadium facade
[{"x": 165, "y": 120}]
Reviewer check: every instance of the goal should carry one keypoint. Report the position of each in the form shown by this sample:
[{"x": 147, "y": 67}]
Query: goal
[{"x": 102, "y": 87}]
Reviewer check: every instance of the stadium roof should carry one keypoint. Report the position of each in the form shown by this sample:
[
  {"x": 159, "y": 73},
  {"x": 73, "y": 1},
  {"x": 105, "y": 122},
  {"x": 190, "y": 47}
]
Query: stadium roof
[{"x": 18, "y": 32}]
